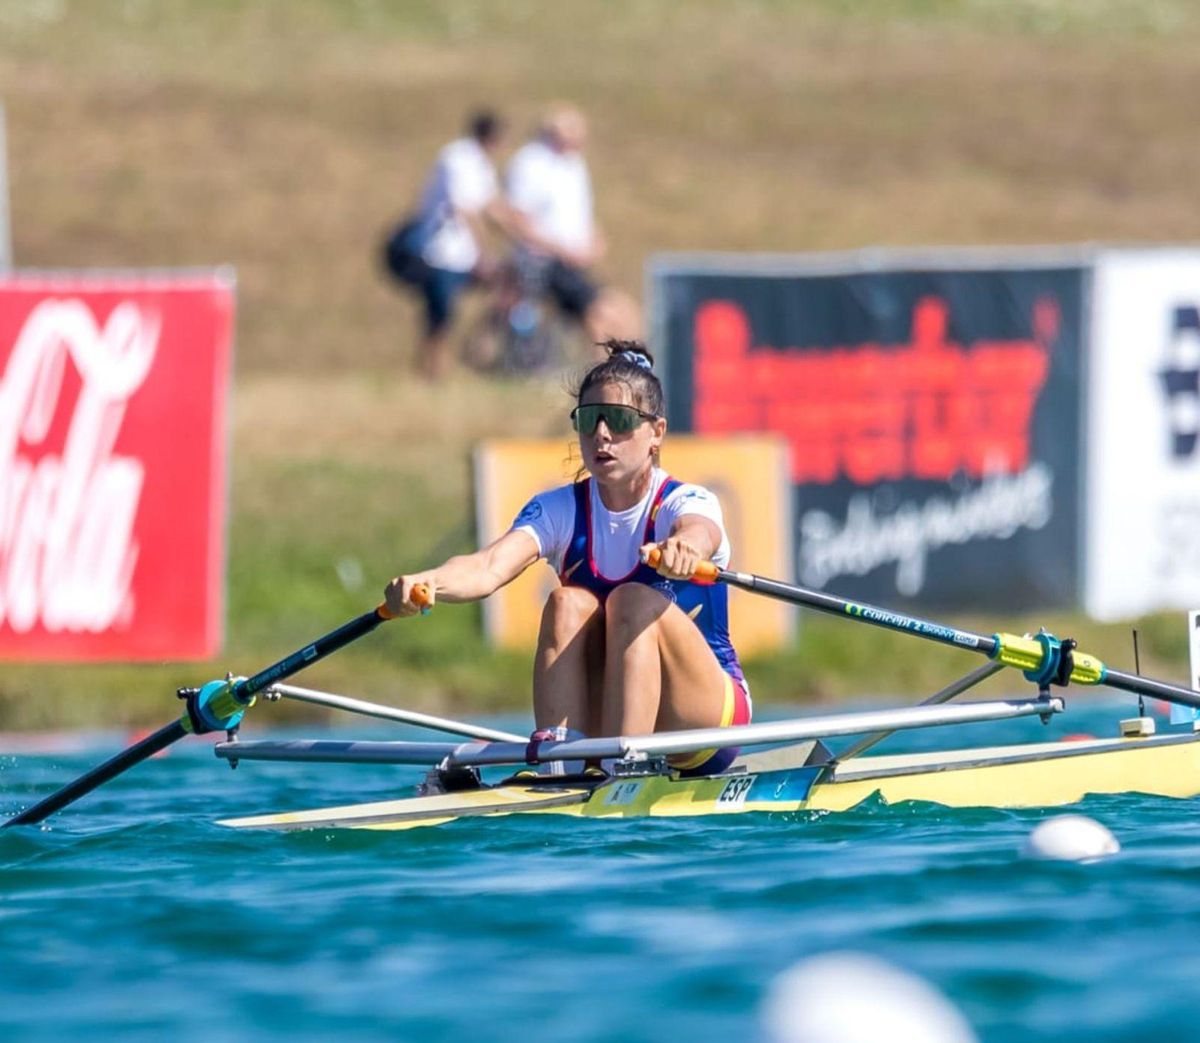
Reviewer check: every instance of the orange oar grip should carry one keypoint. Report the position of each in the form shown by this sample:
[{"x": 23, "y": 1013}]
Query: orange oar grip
[
  {"x": 706, "y": 571},
  {"x": 420, "y": 596}
]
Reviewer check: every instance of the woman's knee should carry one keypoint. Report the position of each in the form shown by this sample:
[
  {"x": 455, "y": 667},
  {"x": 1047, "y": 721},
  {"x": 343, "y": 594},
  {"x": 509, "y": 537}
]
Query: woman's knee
[
  {"x": 568, "y": 611},
  {"x": 632, "y": 608}
]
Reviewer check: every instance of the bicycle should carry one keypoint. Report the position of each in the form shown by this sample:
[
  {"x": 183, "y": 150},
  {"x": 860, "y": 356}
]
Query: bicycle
[{"x": 520, "y": 330}]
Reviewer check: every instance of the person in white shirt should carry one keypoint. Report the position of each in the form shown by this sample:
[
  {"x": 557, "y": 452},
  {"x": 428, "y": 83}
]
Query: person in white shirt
[
  {"x": 623, "y": 649},
  {"x": 547, "y": 181},
  {"x": 440, "y": 251}
]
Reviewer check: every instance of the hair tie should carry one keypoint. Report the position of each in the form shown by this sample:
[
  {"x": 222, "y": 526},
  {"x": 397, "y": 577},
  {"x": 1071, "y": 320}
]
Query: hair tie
[{"x": 637, "y": 358}]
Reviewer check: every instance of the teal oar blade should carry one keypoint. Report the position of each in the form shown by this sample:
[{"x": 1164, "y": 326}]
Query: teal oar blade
[{"x": 216, "y": 706}]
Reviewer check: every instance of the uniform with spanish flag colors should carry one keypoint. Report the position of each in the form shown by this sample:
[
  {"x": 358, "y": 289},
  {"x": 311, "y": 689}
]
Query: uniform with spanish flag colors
[
  {"x": 591, "y": 547},
  {"x": 624, "y": 647}
]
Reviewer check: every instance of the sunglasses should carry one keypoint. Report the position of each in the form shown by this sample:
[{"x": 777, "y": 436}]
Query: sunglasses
[{"x": 620, "y": 419}]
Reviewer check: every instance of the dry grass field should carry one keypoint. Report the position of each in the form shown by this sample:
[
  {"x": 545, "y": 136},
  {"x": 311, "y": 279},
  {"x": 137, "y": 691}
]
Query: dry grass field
[{"x": 283, "y": 137}]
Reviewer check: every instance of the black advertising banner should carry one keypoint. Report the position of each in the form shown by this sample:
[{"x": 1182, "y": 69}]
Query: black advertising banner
[{"x": 934, "y": 418}]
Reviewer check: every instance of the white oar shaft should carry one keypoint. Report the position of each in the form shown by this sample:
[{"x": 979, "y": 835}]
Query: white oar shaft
[
  {"x": 391, "y": 713},
  {"x": 662, "y": 743}
]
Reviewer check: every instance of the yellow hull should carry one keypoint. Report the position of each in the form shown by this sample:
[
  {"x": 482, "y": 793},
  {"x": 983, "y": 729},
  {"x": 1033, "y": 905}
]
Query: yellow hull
[{"x": 1039, "y": 775}]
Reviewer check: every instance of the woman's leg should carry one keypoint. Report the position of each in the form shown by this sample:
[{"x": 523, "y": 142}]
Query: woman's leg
[
  {"x": 569, "y": 661},
  {"x": 659, "y": 673}
]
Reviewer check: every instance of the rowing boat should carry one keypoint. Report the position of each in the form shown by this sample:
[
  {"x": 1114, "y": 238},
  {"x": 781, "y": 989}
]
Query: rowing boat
[
  {"x": 799, "y": 773},
  {"x": 798, "y": 777},
  {"x": 785, "y": 766}
]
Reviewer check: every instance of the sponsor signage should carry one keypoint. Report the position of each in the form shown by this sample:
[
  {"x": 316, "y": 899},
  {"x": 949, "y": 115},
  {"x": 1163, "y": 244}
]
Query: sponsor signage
[
  {"x": 1143, "y": 465},
  {"x": 933, "y": 415},
  {"x": 112, "y": 465},
  {"x": 748, "y": 474}
]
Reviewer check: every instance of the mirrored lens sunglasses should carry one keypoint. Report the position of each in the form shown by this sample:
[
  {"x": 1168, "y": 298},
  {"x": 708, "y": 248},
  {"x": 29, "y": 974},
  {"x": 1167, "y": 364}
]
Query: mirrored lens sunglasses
[{"x": 620, "y": 419}]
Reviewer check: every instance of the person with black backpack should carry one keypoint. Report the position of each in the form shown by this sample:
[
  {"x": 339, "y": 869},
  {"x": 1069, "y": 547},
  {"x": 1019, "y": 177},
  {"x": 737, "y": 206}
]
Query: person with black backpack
[{"x": 439, "y": 250}]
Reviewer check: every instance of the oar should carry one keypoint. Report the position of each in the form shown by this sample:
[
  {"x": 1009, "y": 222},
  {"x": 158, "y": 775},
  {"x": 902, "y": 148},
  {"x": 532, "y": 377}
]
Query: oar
[
  {"x": 217, "y": 706},
  {"x": 1044, "y": 658}
]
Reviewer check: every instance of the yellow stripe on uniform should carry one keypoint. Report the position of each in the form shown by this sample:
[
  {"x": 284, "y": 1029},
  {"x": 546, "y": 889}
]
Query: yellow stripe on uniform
[{"x": 685, "y": 762}]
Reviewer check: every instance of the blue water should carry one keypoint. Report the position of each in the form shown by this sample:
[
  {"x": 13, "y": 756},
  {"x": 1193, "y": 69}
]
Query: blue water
[{"x": 134, "y": 917}]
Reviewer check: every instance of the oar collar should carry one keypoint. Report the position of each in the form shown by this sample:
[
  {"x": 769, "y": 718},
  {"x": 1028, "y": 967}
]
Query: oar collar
[{"x": 216, "y": 706}]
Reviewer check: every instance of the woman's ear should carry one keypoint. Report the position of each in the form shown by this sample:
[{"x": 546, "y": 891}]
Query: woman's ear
[{"x": 659, "y": 427}]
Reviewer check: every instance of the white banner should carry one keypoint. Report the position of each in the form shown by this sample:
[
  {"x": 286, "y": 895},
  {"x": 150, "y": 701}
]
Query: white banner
[{"x": 1143, "y": 445}]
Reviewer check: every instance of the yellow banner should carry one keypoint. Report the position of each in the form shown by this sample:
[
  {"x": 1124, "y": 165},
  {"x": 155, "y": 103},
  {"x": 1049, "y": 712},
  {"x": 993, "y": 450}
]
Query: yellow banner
[{"x": 749, "y": 474}]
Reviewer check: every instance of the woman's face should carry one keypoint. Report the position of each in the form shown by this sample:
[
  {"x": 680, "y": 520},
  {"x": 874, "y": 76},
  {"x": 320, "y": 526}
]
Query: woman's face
[{"x": 615, "y": 457}]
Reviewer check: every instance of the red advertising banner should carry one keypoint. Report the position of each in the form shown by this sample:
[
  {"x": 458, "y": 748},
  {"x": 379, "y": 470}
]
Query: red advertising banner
[{"x": 113, "y": 395}]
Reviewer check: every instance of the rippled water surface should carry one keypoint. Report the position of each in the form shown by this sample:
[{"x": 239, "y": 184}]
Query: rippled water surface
[{"x": 133, "y": 916}]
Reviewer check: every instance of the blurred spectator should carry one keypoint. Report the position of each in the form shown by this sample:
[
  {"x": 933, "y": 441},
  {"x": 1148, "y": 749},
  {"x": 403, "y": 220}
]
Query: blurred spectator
[
  {"x": 549, "y": 184},
  {"x": 439, "y": 251}
]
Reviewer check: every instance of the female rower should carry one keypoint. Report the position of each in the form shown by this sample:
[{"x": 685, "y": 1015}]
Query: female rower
[{"x": 623, "y": 649}]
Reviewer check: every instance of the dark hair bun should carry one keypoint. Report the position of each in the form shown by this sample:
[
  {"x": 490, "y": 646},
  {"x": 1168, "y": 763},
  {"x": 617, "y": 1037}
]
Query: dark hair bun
[
  {"x": 630, "y": 364},
  {"x": 634, "y": 350}
]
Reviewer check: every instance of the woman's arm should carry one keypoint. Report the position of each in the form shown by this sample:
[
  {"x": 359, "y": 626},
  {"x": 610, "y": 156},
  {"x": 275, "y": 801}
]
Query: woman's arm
[{"x": 466, "y": 577}]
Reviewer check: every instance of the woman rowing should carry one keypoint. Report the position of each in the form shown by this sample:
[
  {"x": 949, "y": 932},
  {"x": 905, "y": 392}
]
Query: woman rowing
[{"x": 624, "y": 649}]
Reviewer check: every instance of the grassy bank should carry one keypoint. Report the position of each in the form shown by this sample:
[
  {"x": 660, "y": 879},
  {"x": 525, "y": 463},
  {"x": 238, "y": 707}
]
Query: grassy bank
[
  {"x": 324, "y": 515},
  {"x": 282, "y": 138}
]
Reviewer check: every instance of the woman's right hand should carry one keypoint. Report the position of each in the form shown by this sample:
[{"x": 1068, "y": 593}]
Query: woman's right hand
[{"x": 398, "y": 595}]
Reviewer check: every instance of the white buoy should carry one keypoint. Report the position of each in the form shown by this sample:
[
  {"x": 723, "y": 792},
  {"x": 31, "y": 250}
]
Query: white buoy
[
  {"x": 850, "y": 997},
  {"x": 1070, "y": 838}
]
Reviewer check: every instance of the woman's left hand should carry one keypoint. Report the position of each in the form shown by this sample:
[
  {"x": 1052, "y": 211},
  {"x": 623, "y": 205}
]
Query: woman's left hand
[{"x": 679, "y": 558}]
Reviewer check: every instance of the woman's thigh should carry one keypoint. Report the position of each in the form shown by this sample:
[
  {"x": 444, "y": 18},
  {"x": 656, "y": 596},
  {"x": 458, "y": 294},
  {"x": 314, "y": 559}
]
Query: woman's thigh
[
  {"x": 693, "y": 682},
  {"x": 569, "y": 662}
]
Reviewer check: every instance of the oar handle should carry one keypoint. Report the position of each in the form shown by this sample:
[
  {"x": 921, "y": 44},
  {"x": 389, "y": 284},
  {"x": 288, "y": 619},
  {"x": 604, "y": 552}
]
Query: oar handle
[
  {"x": 706, "y": 572},
  {"x": 421, "y": 597}
]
